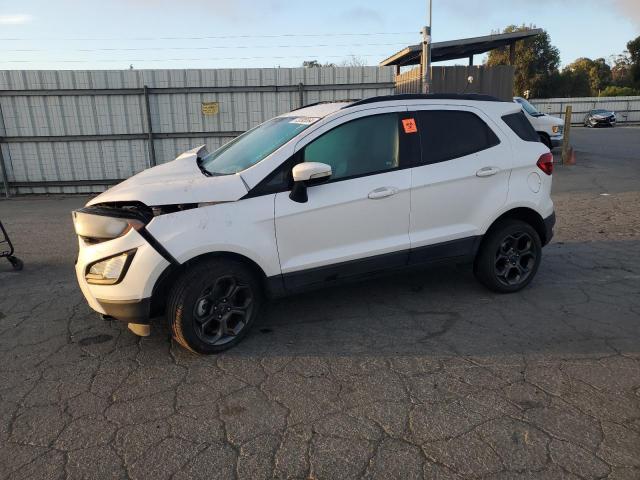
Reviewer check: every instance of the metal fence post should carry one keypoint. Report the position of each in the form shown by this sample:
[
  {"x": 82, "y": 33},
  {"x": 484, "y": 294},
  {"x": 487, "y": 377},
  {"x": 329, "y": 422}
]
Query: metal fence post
[
  {"x": 627, "y": 111},
  {"x": 152, "y": 148},
  {"x": 5, "y": 180},
  {"x": 3, "y": 167},
  {"x": 301, "y": 93},
  {"x": 567, "y": 134}
]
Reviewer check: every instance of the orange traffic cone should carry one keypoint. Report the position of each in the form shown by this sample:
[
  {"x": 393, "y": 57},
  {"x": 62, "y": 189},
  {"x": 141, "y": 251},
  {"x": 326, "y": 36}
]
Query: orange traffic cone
[{"x": 570, "y": 158}]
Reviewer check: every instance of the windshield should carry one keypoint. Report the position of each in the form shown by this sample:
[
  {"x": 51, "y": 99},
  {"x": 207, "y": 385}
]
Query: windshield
[
  {"x": 600, "y": 112},
  {"x": 531, "y": 110},
  {"x": 254, "y": 145}
]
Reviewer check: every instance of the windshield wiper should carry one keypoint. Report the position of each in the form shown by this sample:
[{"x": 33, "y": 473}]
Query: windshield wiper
[{"x": 204, "y": 171}]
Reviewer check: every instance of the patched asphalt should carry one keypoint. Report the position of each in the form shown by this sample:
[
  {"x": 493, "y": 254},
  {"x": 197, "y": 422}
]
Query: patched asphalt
[{"x": 420, "y": 375}]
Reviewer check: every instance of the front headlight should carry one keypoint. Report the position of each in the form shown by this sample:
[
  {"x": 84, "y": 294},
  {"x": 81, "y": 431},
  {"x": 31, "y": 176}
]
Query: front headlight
[
  {"x": 103, "y": 227},
  {"x": 111, "y": 270},
  {"x": 555, "y": 129}
]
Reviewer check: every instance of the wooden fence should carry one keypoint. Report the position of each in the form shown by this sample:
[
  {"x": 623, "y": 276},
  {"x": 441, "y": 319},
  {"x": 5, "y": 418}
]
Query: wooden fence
[{"x": 496, "y": 81}]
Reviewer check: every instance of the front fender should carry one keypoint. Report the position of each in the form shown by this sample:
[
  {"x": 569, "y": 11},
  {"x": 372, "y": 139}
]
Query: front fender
[{"x": 245, "y": 227}]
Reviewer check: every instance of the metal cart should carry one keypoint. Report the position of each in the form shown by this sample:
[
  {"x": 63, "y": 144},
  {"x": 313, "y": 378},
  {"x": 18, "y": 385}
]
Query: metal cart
[{"x": 6, "y": 249}]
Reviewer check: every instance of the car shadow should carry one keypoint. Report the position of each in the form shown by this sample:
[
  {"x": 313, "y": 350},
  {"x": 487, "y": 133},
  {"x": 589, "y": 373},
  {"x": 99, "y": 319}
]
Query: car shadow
[{"x": 584, "y": 300}]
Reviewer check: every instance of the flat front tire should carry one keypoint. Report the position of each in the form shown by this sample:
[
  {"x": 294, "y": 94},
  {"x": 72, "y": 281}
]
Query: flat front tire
[
  {"x": 213, "y": 305},
  {"x": 509, "y": 256}
]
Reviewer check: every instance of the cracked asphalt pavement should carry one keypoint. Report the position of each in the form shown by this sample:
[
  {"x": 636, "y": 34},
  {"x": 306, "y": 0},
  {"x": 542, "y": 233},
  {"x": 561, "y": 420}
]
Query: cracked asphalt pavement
[{"x": 421, "y": 375}]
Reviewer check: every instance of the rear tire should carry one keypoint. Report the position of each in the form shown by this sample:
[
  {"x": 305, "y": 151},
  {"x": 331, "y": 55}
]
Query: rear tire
[
  {"x": 213, "y": 305},
  {"x": 509, "y": 256}
]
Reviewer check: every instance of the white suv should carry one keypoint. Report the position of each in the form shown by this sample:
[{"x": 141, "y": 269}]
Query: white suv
[{"x": 330, "y": 192}]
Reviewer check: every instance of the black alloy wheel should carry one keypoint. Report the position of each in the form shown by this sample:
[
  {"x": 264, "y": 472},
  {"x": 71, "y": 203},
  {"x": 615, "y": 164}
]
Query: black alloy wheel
[
  {"x": 222, "y": 309},
  {"x": 509, "y": 256},
  {"x": 213, "y": 304},
  {"x": 515, "y": 259}
]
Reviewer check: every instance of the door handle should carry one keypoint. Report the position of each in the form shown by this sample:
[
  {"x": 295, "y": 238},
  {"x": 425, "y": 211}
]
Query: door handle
[
  {"x": 382, "y": 192},
  {"x": 487, "y": 171}
]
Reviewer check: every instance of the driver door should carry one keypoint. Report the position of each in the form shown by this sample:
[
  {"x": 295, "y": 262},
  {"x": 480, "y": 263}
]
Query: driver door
[{"x": 358, "y": 221}]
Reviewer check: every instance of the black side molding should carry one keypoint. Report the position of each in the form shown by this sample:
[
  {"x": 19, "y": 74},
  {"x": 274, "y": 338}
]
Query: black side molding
[
  {"x": 463, "y": 249},
  {"x": 549, "y": 223},
  {"x": 144, "y": 233}
]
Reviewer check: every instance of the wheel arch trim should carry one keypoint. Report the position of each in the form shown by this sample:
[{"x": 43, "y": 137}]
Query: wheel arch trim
[
  {"x": 526, "y": 214},
  {"x": 170, "y": 274}
]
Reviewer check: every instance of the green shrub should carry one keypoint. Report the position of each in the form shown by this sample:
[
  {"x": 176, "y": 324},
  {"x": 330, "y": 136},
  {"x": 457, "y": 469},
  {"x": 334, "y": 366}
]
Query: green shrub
[{"x": 612, "y": 91}]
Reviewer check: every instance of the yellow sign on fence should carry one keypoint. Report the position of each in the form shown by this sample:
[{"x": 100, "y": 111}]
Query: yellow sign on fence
[{"x": 210, "y": 108}]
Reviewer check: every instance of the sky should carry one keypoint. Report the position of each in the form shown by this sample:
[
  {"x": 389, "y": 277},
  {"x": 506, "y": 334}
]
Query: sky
[{"x": 114, "y": 34}]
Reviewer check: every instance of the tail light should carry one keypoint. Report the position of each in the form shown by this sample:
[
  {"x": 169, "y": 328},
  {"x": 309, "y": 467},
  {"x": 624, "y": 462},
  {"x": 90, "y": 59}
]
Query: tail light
[{"x": 545, "y": 163}]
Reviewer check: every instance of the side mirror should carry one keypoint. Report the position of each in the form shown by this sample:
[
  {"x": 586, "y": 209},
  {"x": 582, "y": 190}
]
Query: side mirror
[
  {"x": 307, "y": 174},
  {"x": 310, "y": 171}
]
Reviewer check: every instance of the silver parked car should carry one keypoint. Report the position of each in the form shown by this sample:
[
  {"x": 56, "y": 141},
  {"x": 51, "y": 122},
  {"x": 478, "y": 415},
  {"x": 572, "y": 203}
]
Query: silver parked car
[{"x": 600, "y": 118}]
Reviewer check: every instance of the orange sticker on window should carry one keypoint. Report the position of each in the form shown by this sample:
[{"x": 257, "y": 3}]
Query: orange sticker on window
[{"x": 409, "y": 125}]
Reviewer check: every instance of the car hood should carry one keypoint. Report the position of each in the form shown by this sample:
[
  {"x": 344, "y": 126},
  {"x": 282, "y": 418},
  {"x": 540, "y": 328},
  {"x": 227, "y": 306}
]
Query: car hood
[
  {"x": 549, "y": 120},
  {"x": 178, "y": 181}
]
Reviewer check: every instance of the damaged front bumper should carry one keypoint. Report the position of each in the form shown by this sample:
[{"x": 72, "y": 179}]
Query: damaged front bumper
[{"x": 127, "y": 296}]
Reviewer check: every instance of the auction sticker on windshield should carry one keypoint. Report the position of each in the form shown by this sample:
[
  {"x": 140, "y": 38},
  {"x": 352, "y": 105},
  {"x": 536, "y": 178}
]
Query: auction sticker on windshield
[{"x": 305, "y": 120}]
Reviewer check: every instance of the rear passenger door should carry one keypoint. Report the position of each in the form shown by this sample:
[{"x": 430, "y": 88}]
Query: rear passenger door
[{"x": 460, "y": 181}]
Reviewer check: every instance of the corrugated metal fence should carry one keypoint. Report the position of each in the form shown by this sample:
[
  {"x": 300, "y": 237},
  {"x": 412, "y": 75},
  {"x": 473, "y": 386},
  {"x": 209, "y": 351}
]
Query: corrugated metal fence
[
  {"x": 496, "y": 81},
  {"x": 627, "y": 108},
  {"x": 79, "y": 131}
]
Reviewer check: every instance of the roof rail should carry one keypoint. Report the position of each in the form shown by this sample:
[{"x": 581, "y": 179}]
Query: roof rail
[
  {"x": 325, "y": 101},
  {"x": 431, "y": 96}
]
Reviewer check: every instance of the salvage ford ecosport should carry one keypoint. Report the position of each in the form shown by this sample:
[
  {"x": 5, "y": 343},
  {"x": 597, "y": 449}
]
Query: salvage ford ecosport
[{"x": 329, "y": 192}]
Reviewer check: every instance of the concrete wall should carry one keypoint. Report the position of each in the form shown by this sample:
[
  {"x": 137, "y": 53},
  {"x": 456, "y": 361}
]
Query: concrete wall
[{"x": 63, "y": 129}]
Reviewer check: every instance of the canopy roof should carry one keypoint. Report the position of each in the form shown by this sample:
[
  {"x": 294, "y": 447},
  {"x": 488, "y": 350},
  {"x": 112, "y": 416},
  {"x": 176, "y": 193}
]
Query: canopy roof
[{"x": 463, "y": 48}]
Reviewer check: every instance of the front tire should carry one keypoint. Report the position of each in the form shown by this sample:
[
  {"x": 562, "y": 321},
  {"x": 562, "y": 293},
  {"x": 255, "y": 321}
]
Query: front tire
[
  {"x": 509, "y": 256},
  {"x": 213, "y": 305}
]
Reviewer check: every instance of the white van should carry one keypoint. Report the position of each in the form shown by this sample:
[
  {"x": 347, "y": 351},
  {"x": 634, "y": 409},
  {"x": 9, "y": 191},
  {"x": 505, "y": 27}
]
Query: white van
[{"x": 550, "y": 129}]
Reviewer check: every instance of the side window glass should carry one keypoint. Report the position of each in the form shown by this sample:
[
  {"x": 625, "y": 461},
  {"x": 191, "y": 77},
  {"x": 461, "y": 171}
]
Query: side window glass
[
  {"x": 449, "y": 134},
  {"x": 280, "y": 180},
  {"x": 521, "y": 126},
  {"x": 360, "y": 147}
]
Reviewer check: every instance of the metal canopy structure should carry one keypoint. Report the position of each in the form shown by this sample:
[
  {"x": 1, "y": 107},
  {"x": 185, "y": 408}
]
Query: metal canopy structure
[{"x": 463, "y": 48}]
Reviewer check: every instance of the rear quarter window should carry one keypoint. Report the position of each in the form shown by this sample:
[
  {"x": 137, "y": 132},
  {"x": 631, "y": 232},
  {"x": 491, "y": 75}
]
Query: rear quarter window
[
  {"x": 521, "y": 126},
  {"x": 449, "y": 134}
]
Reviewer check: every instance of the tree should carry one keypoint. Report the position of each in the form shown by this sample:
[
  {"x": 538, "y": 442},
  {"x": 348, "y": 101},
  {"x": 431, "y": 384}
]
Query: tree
[
  {"x": 536, "y": 62},
  {"x": 573, "y": 83},
  {"x": 621, "y": 69},
  {"x": 634, "y": 54},
  {"x": 315, "y": 64},
  {"x": 595, "y": 75},
  {"x": 613, "y": 91},
  {"x": 353, "y": 61}
]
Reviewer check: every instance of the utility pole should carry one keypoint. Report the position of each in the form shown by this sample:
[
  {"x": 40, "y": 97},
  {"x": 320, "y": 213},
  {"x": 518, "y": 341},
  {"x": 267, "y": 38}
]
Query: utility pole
[{"x": 426, "y": 54}]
